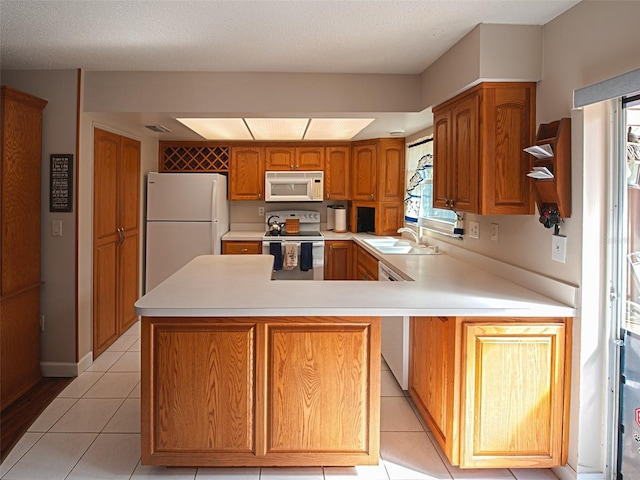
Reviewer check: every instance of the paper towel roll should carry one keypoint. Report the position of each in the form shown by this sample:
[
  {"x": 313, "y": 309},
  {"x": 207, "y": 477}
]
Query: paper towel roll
[{"x": 340, "y": 224}]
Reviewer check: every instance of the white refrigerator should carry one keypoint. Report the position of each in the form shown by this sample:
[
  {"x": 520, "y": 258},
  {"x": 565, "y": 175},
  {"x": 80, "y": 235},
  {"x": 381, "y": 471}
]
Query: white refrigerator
[{"x": 187, "y": 214}]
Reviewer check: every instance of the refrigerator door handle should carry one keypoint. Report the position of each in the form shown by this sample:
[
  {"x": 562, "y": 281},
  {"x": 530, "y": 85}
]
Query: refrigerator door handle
[
  {"x": 214, "y": 197},
  {"x": 214, "y": 219}
]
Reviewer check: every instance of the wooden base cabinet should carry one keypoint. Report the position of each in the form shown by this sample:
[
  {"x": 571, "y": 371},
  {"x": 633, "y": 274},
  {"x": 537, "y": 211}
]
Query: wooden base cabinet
[
  {"x": 260, "y": 391},
  {"x": 494, "y": 391},
  {"x": 232, "y": 247},
  {"x": 338, "y": 260}
]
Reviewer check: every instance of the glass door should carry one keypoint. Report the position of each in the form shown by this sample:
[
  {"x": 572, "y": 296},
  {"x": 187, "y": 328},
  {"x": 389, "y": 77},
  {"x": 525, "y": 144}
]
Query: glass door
[{"x": 626, "y": 278}]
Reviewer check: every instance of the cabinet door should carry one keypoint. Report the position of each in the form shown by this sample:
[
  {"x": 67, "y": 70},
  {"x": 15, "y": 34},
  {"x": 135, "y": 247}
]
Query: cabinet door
[
  {"x": 312, "y": 405},
  {"x": 338, "y": 261},
  {"x": 442, "y": 158},
  {"x": 513, "y": 395},
  {"x": 309, "y": 158},
  {"x": 246, "y": 173},
  {"x": 431, "y": 377},
  {"x": 366, "y": 265},
  {"x": 280, "y": 158},
  {"x": 364, "y": 172},
  {"x": 508, "y": 125},
  {"x": 203, "y": 378},
  {"x": 336, "y": 173},
  {"x": 391, "y": 170},
  {"x": 389, "y": 218},
  {"x": 466, "y": 154}
]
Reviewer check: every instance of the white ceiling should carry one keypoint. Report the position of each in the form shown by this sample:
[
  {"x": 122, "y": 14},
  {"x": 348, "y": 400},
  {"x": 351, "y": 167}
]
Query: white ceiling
[{"x": 330, "y": 36}]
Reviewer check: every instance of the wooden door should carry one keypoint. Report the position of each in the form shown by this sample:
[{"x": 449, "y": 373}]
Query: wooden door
[
  {"x": 246, "y": 173},
  {"x": 116, "y": 236},
  {"x": 279, "y": 158},
  {"x": 432, "y": 377},
  {"x": 106, "y": 239},
  {"x": 364, "y": 177},
  {"x": 336, "y": 173},
  {"x": 442, "y": 158},
  {"x": 129, "y": 221},
  {"x": 391, "y": 170},
  {"x": 338, "y": 262},
  {"x": 466, "y": 154},
  {"x": 512, "y": 394},
  {"x": 309, "y": 158}
]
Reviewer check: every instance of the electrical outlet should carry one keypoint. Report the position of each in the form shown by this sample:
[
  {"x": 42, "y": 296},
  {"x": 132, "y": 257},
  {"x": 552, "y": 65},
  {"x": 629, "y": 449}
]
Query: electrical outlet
[
  {"x": 261, "y": 211},
  {"x": 474, "y": 229},
  {"x": 559, "y": 248},
  {"x": 494, "y": 232}
]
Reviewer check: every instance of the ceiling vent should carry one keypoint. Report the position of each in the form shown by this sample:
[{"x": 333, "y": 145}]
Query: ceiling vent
[{"x": 158, "y": 128}]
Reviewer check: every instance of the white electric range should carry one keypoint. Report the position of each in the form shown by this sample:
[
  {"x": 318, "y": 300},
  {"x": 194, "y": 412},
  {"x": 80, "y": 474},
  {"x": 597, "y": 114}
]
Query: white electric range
[{"x": 297, "y": 255}]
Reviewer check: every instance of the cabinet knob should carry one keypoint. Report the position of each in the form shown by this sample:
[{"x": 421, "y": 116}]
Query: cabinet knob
[
  {"x": 244, "y": 250},
  {"x": 371, "y": 195},
  {"x": 328, "y": 196},
  {"x": 446, "y": 202},
  {"x": 451, "y": 203},
  {"x": 259, "y": 195}
]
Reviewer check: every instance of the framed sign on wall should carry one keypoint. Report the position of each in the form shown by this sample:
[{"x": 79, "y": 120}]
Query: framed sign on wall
[{"x": 61, "y": 183}]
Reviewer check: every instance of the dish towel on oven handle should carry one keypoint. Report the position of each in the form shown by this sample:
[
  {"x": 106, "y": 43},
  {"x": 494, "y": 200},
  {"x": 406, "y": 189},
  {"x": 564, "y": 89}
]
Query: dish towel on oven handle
[
  {"x": 306, "y": 257},
  {"x": 290, "y": 255},
  {"x": 275, "y": 249}
]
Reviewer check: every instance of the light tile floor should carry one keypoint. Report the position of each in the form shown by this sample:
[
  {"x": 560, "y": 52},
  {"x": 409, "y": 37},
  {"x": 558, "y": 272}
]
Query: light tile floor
[{"x": 92, "y": 431}]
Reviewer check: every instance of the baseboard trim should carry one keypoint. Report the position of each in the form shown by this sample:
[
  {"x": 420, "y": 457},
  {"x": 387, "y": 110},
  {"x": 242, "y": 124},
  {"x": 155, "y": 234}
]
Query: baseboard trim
[
  {"x": 567, "y": 473},
  {"x": 64, "y": 369}
]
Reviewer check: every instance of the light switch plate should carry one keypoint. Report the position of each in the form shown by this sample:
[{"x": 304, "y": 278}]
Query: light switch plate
[
  {"x": 559, "y": 248},
  {"x": 56, "y": 228}
]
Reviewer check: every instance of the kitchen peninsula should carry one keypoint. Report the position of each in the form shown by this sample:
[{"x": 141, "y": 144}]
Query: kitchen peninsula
[{"x": 239, "y": 370}]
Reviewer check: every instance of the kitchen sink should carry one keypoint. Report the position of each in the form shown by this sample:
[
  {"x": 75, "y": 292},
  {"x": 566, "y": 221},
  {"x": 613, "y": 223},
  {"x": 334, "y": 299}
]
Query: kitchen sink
[
  {"x": 395, "y": 246},
  {"x": 387, "y": 242}
]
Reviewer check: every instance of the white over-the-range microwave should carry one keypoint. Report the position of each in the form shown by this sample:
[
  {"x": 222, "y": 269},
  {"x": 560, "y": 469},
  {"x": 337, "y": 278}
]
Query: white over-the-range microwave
[{"x": 297, "y": 186}]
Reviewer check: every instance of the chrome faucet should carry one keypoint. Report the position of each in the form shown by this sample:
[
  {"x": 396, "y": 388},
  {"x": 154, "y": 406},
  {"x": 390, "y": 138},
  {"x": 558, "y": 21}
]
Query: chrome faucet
[{"x": 409, "y": 230}]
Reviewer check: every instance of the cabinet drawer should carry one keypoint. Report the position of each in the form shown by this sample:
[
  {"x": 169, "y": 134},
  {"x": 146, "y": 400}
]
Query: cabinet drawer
[{"x": 239, "y": 248}]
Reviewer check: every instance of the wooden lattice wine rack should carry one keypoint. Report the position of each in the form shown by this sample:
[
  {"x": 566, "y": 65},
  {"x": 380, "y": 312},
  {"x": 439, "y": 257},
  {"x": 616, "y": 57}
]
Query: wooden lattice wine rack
[{"x": 193, "y": 157}]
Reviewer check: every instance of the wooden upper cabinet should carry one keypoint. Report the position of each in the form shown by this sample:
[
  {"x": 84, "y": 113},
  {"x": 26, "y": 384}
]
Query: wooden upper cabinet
[
  {"x": 336, "y": 173},
  {"x": 246, "y": 173},
  {"x": 294, "y": 158},
  {"x": 364, "y": 171},
  {"x": 309, "y": 158},
  {"x": 391, "y": 169},
  {"x": 479, "y": 137},
  {"x": 377, "y": 170},
  {"x": 279, "y": 158}
]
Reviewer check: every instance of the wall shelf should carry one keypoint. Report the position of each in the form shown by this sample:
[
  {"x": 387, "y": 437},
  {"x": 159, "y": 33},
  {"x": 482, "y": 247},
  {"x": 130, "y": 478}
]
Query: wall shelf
[{"x": 553, "y": 193}]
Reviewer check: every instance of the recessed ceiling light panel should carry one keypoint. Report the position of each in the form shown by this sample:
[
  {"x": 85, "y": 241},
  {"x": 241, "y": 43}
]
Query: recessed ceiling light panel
[
  {"x": 335, "y": 128},
  {"x": 218, "y": 128},
  {"x": 277, "y": 128}
]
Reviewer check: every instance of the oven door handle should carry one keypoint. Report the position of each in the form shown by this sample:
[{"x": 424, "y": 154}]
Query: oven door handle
[{"x": 297, "y": 242}]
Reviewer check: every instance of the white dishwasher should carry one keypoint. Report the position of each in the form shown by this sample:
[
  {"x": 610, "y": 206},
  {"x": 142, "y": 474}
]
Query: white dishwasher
[{"x": 395, "y": 335}]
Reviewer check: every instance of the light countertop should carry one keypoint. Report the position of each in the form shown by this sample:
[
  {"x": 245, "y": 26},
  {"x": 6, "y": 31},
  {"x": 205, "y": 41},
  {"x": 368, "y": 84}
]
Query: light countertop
[{"x": 241, "y": 285}]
